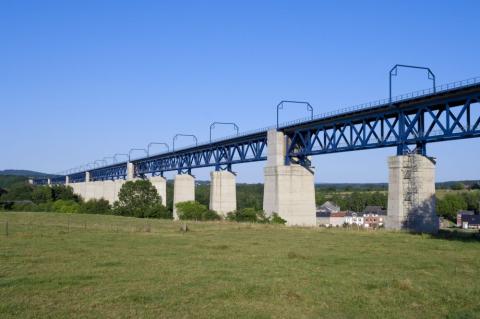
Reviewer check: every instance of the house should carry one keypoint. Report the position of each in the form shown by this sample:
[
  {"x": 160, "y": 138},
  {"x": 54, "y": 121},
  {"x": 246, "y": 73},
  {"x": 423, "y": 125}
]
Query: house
[
  {"x": 323, "y": 218},
  {"x": 353, "y": 218},
  {"x": 337, "y": 219},
  {"x": 379, "y": 210},
  {"x": 328, "y": 207},
  {"x": 460, "y": 215},
  {"x": 471, "y": 221},
  {"x": 373, "y": 220}
]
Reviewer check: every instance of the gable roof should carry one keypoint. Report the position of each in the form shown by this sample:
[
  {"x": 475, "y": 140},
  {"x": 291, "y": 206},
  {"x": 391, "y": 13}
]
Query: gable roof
[{"x": 331, "y": 206}]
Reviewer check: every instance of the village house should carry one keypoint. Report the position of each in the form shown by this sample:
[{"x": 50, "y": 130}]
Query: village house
[
  {"x": 328, "y": 207},
  {"x": 461, "y": 214},
  {"x": 355, "y": 219},
  {"x": 471, "y": 221},
  {"x": 373, "y": 220}
]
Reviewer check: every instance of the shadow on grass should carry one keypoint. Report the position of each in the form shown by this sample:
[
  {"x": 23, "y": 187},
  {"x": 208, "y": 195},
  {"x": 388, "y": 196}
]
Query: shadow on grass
[{"x": 456, "y": 234}]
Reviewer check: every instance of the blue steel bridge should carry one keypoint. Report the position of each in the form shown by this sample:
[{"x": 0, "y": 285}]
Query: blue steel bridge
[{"x": 408, "y": 122}]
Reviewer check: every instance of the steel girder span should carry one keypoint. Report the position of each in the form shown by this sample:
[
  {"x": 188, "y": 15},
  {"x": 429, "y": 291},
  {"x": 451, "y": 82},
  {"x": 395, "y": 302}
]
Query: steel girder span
[
  {"x": 436, "y": 118},
  {"x": 440, "y": 116}
]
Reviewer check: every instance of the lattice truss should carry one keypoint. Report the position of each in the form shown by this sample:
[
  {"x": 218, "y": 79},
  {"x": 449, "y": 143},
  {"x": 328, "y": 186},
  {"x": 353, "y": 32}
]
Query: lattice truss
[
  {"x": 217, "y": 155},
  {"x": 390, "y": 126}
]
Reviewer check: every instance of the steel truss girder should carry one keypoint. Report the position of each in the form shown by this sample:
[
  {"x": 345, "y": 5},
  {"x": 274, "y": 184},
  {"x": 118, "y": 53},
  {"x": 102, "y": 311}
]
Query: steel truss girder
[
  {"x": 428, "y": 122},
  {"x": 59, "y": 180},
  {"x": 109, "y": 173},
  {"x": 40, "y": 181},
  {"x": 215, "y": 155},
  {"x": 76, "y": 177}
]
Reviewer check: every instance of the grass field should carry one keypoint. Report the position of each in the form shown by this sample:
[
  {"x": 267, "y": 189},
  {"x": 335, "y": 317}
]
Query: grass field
[{"x": 59, "y": 266}]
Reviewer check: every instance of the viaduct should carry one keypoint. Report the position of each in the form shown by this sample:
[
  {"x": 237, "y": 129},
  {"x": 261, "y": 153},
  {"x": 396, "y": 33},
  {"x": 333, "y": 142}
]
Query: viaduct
[{"x": 407, "y": 123}]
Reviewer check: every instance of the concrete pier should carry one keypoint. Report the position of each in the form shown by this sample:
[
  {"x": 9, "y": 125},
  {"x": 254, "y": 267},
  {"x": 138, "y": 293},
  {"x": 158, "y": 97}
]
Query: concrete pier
[
  {"x": 289, "y": 190},
  {"x": 160, "y": 184},
  {"x": 130, "y": 171},
  {"x": 184, "y": 191},
  {"x": 223, "y": 192},
  {"x": 411, "y": 194}
]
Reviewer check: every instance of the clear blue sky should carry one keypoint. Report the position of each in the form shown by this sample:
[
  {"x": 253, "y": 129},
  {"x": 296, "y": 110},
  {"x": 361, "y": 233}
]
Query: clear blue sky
[{"x": 80, "y": 80}]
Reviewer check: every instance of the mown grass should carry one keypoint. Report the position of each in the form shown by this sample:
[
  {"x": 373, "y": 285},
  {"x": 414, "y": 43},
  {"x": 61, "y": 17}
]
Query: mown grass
[{"x": 58, "y": 266}]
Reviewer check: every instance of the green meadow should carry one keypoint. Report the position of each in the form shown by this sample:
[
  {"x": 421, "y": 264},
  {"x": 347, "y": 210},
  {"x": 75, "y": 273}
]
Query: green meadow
[{"x": 95, "y": 266}]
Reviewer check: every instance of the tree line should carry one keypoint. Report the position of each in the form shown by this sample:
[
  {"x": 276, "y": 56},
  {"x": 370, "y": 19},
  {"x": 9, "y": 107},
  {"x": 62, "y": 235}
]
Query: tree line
[{"x": 140, "y": 199}]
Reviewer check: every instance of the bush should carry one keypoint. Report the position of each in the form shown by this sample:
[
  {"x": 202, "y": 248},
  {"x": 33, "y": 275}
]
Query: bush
[
  {"x": 210, "y": 215},
  {"x": 18, "y": 191},
  {"x": 277, "y": 219},
  {"x": 158, "y": 211},
  {"x": 42, "y": 194},
  {"x": 450, "y": 205},
  {"x": 96, "y": 206},
  {"x": 249, "y": 215},
  {"x": 193, "y": 210},
  {"x": 24, "y": 207},
  {"x": 139, "y": 199},
  {"x": 63, "y": 192},
  {"x": 66, "y": 206}
]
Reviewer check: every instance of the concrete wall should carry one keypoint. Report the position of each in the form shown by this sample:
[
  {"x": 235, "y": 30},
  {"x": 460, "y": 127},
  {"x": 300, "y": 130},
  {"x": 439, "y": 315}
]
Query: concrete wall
[
  {"x": 96, "y": 190},
  {"x": 411, "y": 194},
  {"x": 160, "y": 184},
  {"x": 184, "y": 191},
  {"x": 223, "y": 192},
  {"x": 289, "y": 190}
]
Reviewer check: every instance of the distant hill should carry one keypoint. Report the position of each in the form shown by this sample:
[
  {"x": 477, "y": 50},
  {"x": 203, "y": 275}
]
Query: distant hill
[{"x": 24, "y": 173}]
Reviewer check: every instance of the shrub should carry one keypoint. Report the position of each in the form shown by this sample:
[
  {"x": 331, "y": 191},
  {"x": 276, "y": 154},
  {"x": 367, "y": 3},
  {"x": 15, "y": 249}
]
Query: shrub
[
  {"x": 63, "y": 192},
  {"x": 42, "y": 194},
  {"x": 276, "y": 219},
  {"x": 158, "y": 211},
  {"x": 450, "y": 205},
  {"x": 248, "y": 215},
  {"x": 193, "y": 210},
  {"x": 18, "y": 191},
  {"x": 24, "y": 207},
  {"x": 96, "y": 206},
  {"x": 210, "y": 215},
  {"x": 66, "y": 206}
]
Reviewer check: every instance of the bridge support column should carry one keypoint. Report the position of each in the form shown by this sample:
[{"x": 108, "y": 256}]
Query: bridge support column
[
  {"x": 130, "y": 171},
  {"x": 89, "y": 187},
  {"x": 183, "y": 191},
  {"x": 223, "y": 192},
  {"x": 289, "y": 189},
  {"x": 160, "y": 184},
  {"x": 411, "y": 194}
]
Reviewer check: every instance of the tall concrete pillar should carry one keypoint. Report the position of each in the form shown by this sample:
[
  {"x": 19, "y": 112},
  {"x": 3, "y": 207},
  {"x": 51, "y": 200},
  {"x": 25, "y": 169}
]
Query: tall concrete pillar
[
  {"x": 49, "y": 181},
  {"x": 130, "y": 171},
  {"x": 89, "y": 187},
  {"x": 289, "y": 190},
  {"x": 183, "y": 191},
  {"x": 67, "y": 180},
  {"x": 223, "y": 192},
  {"x": 411, "y": 194},
  {"x": 160, "y": 184}
]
